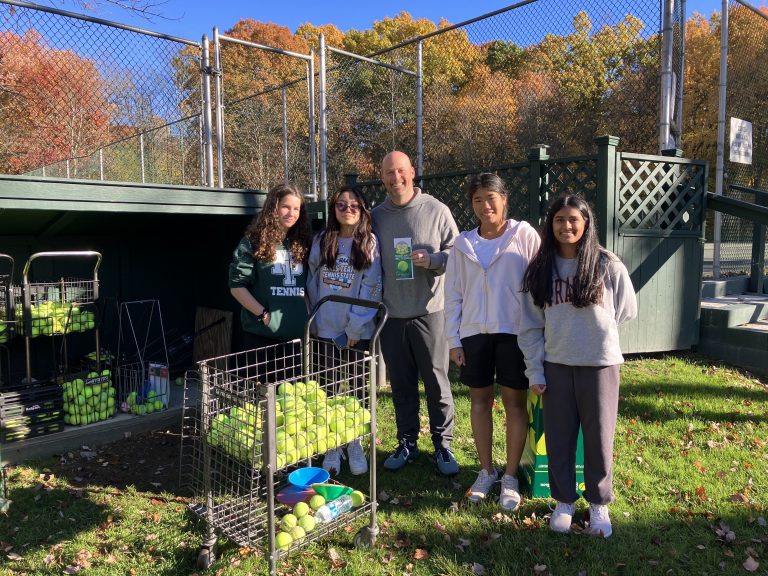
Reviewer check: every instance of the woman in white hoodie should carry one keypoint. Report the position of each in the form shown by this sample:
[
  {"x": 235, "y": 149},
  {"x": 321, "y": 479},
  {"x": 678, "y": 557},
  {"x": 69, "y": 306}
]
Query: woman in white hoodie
[{"x": 484, "y": 277}]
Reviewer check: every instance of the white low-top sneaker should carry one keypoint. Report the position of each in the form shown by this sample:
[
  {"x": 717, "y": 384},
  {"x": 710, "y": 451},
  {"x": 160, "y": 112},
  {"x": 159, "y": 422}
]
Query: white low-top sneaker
[
  {"x": 482, "y": 485},
  {"x": 599, "y": 521},
  {"x": 332, "y": 461},
  {"x": 562, "y": 517},
  {"x": 358, "y": 464},
  {"x": 509, "y": 499}
]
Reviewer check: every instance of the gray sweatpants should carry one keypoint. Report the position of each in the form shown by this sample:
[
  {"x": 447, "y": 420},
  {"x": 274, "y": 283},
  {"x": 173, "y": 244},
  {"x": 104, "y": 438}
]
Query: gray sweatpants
[
  {"x": 414, "y": 347},
  {"x": 586, "y": 396}
]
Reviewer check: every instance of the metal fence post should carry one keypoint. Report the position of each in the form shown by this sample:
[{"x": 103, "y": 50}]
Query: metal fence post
[
  {"x": 419, "y": 111},
  {"x": 219, "y": 92},
  {"x": 681, "y": 79},
  {"x": 207, "y": 143},
  {"x": 605, "y": 210},
  {"x": 666, "y": 76},
  {"x": 312, "y": 133},
  {"x": 67, "y": 167},
  {"x": 285, "y": 134},
  {"x": 323, "y": 126},
  {"x": 101, "y": 163},
  {"x": 537, "y": 184},
  {"x": 141, "y": 156},
  {"x": 718, "y": 222}
]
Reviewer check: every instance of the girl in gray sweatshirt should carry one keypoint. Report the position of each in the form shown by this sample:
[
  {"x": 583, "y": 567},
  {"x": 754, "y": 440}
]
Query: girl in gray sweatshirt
[{"x": 577, "y": 294}]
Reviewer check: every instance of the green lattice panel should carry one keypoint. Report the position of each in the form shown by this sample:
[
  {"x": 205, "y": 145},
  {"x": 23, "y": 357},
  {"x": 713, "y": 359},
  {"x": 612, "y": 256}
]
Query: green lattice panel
[
  {"x": 571, "y": 176},
  {"x": 660, "y": 195}
]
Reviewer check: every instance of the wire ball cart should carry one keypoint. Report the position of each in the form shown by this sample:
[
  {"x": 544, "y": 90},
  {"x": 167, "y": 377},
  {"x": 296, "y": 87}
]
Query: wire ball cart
[{"x": 263, "y": 413}]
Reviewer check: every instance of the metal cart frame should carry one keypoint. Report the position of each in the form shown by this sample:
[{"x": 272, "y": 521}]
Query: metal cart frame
[{"x": 231, "y": 434}]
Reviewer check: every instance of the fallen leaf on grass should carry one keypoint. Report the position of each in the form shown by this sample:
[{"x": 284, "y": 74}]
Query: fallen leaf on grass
[
  {"x": 71, "y": 570},
  {"x": 750, "y": 564},
  {"x": 478, "y": 569},
  {"x": 439, "y": 527},
  {"x": 540, "y": 568},
  {"x": 701, "y": 493},
  {"x": 335, "y": 558},
  {"x": 739, "y": 499},
  {"x": 13, "y": 556},
  {"x": 463, "y": 543},
  {"x": 760, "y": 521},
  {"x": 420, "y": 554}
]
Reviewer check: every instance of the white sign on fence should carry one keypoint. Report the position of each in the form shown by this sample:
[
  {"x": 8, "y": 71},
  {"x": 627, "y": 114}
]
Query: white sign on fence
[{"x": 741, "y": 141}]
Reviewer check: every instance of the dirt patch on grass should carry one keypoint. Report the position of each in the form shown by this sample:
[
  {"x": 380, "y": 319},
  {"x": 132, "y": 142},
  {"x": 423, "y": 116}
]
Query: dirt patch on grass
[{"x": 149, "y": 462}]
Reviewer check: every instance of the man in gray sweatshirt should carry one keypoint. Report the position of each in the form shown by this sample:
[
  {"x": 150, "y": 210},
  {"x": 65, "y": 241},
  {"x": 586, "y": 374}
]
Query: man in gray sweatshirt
[{"x": 416, "y": 233}]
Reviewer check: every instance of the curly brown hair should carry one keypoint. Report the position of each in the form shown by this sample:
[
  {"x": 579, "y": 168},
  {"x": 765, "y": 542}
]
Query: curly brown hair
[{"x": 265, "y": 231}]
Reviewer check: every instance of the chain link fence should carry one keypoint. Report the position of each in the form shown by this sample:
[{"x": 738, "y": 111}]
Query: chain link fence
[
  {"x": 76, "y": 92},
  {"x": 747, "y": 82},
  {"x": 554, "y": 72},
  {"x": 265, "y": 102}
]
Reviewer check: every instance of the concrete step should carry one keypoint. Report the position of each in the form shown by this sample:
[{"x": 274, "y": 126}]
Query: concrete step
[{"x": 734, "y": 329}]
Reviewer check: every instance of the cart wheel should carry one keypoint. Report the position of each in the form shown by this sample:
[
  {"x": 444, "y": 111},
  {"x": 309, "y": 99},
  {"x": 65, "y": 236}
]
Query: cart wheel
[
  {"x": 206, "y": 556},
  {"x": 365, "y": 538}
]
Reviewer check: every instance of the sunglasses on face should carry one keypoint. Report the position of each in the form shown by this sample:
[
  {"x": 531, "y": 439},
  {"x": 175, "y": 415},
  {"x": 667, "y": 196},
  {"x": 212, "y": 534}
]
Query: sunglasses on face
[{"x": 342, "y": 206}]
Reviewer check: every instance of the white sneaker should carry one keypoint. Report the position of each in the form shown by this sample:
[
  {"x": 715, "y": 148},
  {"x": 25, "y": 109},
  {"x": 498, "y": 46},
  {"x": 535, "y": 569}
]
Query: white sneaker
[
  {"x": 332, "y": 461},
  {"x": 599, "y": 521},
  {"x": 358, "y": 464},
  {"x": 482, "y": 485},
  {"x": 509, "y": 499},
  {"x": 562, "y": 517}
]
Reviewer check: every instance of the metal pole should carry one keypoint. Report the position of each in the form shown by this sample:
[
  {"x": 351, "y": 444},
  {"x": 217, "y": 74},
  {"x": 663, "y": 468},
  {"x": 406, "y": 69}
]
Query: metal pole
[
  {"x": 207, "y": 143},
  {"x": 219, "y": 90},
  {"x": 141, "y": 155},
  {"x": 323, "y": 126},
  {"x": 285, "y": 134},
  {"x": 719, "y": 175},
  {"x": 681, "y": 77},
  {"x": 67, "y": 167},
  {"x": 419, "y": 112},
  {"x": 101, "y": 163},
  {"x": 666, "y": 75},
  {"x": 312, "y": 134}
]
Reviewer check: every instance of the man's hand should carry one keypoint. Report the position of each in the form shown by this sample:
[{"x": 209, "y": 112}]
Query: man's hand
[
  {"x": 420, "y": 258},
  {"x": 457, "y": 356}
]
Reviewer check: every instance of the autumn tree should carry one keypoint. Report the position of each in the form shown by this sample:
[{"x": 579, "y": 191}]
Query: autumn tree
[{"x": 51, "y": 104}]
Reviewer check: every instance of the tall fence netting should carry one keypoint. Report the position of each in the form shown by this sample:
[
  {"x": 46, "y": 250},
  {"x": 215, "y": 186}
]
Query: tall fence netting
[{"x": 73, "y": 93}]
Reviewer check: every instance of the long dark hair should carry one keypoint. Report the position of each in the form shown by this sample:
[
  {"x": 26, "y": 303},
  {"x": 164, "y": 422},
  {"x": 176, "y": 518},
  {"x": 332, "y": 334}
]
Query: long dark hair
[
  {"x": 590, "y": 268},
  {"x": 265, "y": 230},
  {"x": 363, "y": 240}
]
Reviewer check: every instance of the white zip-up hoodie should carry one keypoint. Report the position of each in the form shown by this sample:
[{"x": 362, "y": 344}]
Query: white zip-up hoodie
[{"x": 487, "y": 300}]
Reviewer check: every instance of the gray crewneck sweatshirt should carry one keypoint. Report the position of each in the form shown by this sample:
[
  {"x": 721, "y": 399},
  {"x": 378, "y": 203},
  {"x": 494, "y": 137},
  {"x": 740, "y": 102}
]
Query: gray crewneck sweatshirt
[
  {"x": 564, "y": 334},
  {"x": 430, "y": 226}
]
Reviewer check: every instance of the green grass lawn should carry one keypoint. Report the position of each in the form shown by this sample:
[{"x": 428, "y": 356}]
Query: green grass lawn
[{"x": 691, "y": 485}]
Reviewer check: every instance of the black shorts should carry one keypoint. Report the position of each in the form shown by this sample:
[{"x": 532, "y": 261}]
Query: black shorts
[{"x": 489, "y": 354}]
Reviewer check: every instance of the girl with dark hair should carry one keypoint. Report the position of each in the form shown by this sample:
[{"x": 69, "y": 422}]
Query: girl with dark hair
[
  {"x": 482, "y": 313},
  {"x": 267, "y": 275},
  {"x": 344, "y": 261},
  {"x": 577, "y": 295}
]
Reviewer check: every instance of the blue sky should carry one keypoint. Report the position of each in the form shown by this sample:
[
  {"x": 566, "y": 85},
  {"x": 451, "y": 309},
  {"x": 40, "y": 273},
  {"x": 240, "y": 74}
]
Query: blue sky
[{"x": 193, "y": 18}]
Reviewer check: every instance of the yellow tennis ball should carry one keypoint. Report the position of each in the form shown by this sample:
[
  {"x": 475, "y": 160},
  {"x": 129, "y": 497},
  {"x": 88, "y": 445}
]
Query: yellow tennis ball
[
  {"x": 300, "y": 509},
  {"x": 316, "y": 502},
  {"x": 357, "y": 498}
]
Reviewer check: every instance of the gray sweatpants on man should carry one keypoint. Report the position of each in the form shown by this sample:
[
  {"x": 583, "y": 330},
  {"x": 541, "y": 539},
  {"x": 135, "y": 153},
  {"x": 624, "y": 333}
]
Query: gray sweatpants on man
[
  {"x": 414, "y": 347},
  {"x": 586, "y": 396}
]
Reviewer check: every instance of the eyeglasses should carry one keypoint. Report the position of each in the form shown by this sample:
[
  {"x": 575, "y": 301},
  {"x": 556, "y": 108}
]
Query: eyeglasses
[{"x": 342, "y": 206}]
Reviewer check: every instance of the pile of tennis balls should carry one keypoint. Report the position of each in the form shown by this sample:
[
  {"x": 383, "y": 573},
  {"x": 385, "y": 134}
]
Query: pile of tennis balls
[
  {"x": 140, "y": 404},
  {"x": 300, "y": 521},
  {"x": 238, "y": 433},
  {"x": 308, "y": 422},
  {"x": 5, "y": 331},
  {"x": 51, "y": 317},
  {"x": 90, "y": 399}
]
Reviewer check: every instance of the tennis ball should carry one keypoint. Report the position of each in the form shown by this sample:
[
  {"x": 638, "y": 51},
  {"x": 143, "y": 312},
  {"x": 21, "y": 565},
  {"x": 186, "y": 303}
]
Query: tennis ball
[
  {"x": 300, "y": 509},
  {"x": 307, "y": 523},
  {"x": 402, "y": 266},
  {"x": 297, "y": 532},
  {"x": 283, "y": 540},
  {"x": 357, "y": 498},
  {"x": 316, "y": 502},
  {"x": 288, "y": 522}
]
